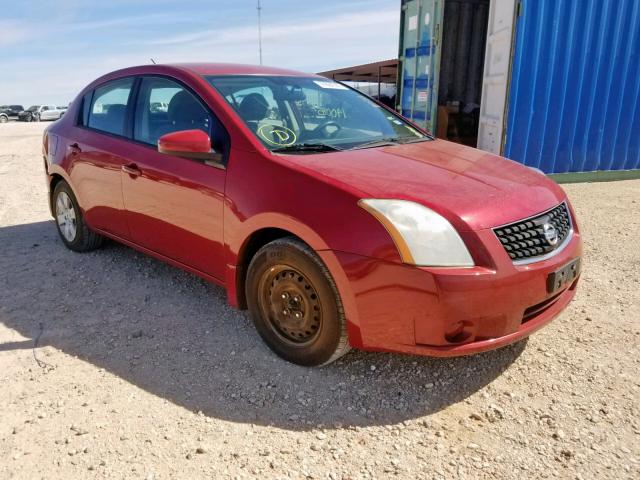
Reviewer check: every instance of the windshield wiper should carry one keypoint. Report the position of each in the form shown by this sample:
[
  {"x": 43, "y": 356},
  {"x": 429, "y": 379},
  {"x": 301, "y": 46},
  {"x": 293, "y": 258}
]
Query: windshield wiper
[
  {"x": 380, "y": 142},
  {"x": 416, "y": 140},
  {"x": 307, "y": 147}
]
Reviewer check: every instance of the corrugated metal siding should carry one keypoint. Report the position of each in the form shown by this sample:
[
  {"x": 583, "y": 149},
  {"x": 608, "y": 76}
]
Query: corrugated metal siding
[{"x": 574, "y": 101}]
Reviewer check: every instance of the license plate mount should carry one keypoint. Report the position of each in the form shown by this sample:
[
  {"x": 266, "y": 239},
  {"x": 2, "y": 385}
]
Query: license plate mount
[{"x": 563, "y": 276}]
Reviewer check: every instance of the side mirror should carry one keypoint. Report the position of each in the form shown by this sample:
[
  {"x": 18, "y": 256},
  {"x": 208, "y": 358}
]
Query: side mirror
[{"x": 190, "y": 144}]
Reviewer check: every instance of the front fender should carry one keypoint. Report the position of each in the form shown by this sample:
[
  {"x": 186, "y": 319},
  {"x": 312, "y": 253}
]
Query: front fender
[
  {"x": 239, "y": 241},
  {"x": 260, "y": 221}
]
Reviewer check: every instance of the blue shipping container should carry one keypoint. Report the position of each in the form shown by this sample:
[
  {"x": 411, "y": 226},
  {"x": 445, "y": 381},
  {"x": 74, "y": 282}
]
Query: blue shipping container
[{"x": 574, "y": 98}]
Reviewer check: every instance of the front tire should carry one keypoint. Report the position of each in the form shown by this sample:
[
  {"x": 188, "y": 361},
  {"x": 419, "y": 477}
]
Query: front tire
[
  {"x": 73, "y": 231},
  {"x": 295, "y": 304}
]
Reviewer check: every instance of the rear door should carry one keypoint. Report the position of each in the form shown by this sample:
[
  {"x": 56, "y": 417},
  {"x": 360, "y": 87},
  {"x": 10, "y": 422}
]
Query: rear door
[
  {"x": 98, "y": 151},
  {"x": 495, "y": 81},
  {"x": 54, "y": 112},
  {"x": 174, "y": 204}
]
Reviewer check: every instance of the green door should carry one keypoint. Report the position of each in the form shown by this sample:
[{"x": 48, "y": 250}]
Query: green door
[{"x": 420, "y": 35}]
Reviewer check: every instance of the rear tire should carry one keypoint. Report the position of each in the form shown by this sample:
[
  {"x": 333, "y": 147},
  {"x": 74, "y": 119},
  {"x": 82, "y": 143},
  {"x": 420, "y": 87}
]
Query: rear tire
[
  {"x": 4, "y": 119},
  {"x": 295, "y": 304},
  {"x": 73, "y": 230}
]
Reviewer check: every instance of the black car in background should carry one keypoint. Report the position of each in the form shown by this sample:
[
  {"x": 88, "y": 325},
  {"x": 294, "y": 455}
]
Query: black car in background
[
  {"x": 31, "y": 114},
  {"x": 8, "y": 112}
]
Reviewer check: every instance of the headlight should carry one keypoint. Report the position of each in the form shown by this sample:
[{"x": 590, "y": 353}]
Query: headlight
[
  {"x": 422, "y": 236},
  {"x": 537, "y": 170}
]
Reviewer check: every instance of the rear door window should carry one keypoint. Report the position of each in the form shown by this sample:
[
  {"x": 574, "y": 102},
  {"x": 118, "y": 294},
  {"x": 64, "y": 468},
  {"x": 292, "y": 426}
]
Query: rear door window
[{"x": 109, "y": 106}]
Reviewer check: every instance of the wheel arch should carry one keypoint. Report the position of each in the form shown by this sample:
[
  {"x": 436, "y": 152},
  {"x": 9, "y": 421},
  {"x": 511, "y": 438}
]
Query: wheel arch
[
  {"x": 253, "y": 234},
  {"x": 54, "y": 180},
  {"x": 252, "y": 243},
  {"x": 258, "y": 237},
  {"x": 55, "y": 177}
]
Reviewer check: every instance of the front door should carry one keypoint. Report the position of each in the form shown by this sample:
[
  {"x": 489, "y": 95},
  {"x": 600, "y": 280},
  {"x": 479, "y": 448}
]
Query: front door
[{"x": 175, "y": 205}]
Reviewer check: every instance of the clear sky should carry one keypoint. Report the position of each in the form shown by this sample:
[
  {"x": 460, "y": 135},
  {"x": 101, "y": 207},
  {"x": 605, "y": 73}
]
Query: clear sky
[{"x": 50, "y": 49}]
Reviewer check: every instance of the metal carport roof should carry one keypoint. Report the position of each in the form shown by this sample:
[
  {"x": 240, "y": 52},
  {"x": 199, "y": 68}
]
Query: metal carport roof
[{"x": 385, "y": 71}]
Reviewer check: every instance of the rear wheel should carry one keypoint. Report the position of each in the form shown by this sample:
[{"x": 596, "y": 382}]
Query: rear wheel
[
  {"x": 295, "y": 304},
  {"x": 72, "y": 229},
  {"x": 4, "y": 119}
]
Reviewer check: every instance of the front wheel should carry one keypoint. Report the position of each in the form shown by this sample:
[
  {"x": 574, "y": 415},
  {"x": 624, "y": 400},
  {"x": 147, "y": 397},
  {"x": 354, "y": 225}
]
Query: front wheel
[
  {"x": 72, "y": 229},
  {"x": 295, "y": 304}
]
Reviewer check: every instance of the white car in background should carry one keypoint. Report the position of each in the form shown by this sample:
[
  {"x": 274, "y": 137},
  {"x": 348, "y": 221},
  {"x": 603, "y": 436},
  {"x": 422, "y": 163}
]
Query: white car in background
[
  {"x": 36, "y": 113},
  {"x": 51, "y": 112}
]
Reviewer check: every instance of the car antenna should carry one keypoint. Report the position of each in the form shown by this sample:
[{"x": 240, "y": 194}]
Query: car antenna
[
  {"x": 153, "y": 61},
  {"x": 259, "y": 32}
]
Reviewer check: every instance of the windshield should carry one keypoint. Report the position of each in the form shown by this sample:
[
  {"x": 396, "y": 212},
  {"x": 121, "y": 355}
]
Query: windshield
[
  {"x": 311, "y": 114},
  {"x": 33, "y": 108}
]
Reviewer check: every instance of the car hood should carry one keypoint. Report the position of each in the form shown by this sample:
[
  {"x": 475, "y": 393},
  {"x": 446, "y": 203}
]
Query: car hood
[{"x": 473, "y": 189}]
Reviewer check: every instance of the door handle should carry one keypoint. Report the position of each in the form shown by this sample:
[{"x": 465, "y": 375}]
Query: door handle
[
  {"x": 75, "y": 148},
  {"x": 132, "y": 169}
]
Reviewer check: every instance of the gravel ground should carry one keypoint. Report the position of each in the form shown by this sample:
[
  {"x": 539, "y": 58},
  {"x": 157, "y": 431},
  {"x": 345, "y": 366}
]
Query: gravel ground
[{"x": 143, "y": 371}]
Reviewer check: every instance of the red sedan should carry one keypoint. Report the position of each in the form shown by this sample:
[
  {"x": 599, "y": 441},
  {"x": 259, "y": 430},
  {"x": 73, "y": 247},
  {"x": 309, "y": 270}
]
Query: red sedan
[{"x": 335, "y": 221}]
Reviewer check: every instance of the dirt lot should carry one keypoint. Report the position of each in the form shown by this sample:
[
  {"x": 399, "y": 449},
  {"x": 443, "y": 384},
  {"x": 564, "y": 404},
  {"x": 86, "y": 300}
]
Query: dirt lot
[{"x": 143, "y": 371}]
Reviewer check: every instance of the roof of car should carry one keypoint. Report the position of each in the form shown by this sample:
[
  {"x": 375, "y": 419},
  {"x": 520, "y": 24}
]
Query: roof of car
[
  {"x": 235, "y": 69},
  {"x": 197, "y": 69}
]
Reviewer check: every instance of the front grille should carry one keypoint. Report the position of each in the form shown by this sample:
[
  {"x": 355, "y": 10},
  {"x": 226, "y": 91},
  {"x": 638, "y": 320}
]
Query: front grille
[{"x": 534, "y": 237}]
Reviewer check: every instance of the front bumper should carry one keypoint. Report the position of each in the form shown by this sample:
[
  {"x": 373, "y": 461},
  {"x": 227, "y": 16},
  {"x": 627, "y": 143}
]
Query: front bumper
[{"x": 448, "y": 311}]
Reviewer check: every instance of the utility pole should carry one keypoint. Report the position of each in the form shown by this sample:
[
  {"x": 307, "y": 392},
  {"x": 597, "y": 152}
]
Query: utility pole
[{"x": 259, "y": 32}]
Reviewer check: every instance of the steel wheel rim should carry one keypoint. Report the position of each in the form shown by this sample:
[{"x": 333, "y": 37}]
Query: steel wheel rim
[
  {"x": 66, "y": 217},
  {"x": 291, "y": 305}
]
